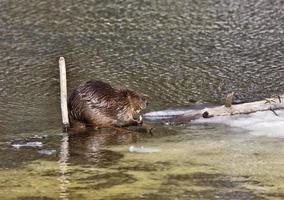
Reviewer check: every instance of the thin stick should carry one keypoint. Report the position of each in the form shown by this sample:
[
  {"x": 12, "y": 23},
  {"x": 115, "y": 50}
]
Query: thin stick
[{"x": 63, "y": 93}]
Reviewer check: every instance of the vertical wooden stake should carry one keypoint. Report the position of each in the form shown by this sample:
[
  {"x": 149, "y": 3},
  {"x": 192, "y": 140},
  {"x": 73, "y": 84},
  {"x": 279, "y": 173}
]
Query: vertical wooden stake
[{"x": 63, "y": 93}]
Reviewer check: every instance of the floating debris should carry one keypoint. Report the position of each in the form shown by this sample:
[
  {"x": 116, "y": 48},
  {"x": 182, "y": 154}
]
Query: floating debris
[
  {"x": 47, "y": 152},
  {"x": 38, "y": 137},
  {"x": 142, "y": 149},
  {"x": 28, "y": 144}
]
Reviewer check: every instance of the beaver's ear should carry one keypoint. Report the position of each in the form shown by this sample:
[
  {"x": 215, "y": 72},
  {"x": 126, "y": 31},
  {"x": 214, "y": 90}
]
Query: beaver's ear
[
  {"x": 145, "y": 96},
  {"x": 124, "y": 92}
]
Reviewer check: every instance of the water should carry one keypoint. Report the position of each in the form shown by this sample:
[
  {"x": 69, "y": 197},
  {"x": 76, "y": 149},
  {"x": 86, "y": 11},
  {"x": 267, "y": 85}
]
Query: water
[
  {"x": 179, "y": 53},
  {"x": 193, "y": 162}
]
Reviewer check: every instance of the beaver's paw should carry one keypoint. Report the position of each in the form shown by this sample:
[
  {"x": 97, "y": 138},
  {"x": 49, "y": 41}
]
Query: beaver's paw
[{"x": 140, "y": 120}]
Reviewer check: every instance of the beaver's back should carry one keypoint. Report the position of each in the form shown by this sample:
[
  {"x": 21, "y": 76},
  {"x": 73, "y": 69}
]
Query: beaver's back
[{"x": 96, "y": 101}]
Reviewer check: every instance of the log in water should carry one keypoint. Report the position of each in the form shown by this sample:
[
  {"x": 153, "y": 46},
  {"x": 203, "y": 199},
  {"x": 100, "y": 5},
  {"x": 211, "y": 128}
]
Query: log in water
[{"x": 272, "y": 104}]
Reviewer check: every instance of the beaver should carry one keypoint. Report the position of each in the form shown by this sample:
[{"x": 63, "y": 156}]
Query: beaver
[{"x": 98, "y": 104}]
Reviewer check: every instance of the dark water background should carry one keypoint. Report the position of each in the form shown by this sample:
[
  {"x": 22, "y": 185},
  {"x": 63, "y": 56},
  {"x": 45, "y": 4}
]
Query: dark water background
[{"x": 179, "y": 53}]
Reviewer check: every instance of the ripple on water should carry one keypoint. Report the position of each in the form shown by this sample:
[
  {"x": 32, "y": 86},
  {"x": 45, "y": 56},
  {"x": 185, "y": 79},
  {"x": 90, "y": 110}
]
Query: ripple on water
[{"x": 179, "y": 54}]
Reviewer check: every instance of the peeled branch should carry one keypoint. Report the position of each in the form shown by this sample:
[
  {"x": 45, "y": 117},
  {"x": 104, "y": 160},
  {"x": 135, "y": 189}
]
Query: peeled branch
[{"x": 273, "y": 103}]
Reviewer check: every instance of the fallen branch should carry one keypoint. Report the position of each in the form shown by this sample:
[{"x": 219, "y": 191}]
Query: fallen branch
[{"x": 272, "y": 104}]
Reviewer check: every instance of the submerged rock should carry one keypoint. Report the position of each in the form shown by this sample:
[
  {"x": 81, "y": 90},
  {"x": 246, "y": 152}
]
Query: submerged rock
[
  {"x": 47, "y": 152},
  {"x": 143, "y": 149}
]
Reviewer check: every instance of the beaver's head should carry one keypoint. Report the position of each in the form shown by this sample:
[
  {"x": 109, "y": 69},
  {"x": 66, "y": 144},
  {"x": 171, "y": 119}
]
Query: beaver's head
[{"x": 137, "y": 102}]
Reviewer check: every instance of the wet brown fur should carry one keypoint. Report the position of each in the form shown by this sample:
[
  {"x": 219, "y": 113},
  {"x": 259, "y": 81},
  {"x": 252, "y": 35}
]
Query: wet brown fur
[{"x": 98, "y": 104}]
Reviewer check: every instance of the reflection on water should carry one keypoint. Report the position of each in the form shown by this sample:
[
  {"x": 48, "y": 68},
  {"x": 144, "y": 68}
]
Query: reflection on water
[
  {"x": 197, "y": 162},
  {"x": 63, "y": 167},
  {"x": 178, "y": 53}
]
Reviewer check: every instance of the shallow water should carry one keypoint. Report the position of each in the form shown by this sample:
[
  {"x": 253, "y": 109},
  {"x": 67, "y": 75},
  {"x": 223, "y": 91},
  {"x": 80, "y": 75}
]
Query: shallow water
[
  {"x": 191, "y": 162},
  {"x": 179, "y": 53}
]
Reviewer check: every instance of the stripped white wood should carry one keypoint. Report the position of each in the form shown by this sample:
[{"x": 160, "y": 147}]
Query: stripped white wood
[
  {"x": 272, "y": 104},
  {"x": 63, "y": 92}
]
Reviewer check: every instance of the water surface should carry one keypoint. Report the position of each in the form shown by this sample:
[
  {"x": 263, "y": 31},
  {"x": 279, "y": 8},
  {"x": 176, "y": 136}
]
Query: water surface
[{"x": 179, "y": 53}]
